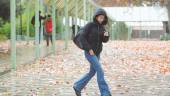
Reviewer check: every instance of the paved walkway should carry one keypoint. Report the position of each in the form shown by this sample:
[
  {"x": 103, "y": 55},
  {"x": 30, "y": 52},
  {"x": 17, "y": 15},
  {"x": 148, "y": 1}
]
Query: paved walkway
[
  {"x": 132, "y": 68},
  {"x": 25, "y": 53}
]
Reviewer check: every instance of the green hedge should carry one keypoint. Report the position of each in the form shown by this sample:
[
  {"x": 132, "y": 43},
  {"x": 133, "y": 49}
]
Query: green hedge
[
  {"x": 165, "y": 37},
  {"x": 2, "y": 37},
  {"x": 5, "y": 30},
  {"x": 120, "y": 31}
]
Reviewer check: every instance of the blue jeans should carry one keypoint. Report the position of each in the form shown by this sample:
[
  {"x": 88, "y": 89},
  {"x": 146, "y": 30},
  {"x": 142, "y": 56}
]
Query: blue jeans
[{"x": 95, "y": 67}]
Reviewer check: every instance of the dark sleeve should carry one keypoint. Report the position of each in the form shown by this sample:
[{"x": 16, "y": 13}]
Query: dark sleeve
[
  {"x": 42, "y": 18},
  {"x": 33, "y": 20},
  {"x": 105, "y": 38},
  {"x": 84, "y": 36}
]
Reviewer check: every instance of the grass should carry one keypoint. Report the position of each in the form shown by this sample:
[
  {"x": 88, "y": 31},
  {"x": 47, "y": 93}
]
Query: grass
[{"x": 2, "y": 38}]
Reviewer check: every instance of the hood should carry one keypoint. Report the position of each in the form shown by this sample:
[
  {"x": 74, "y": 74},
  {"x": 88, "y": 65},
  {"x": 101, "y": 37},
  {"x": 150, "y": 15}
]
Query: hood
[{"x": 100, "y": 11}]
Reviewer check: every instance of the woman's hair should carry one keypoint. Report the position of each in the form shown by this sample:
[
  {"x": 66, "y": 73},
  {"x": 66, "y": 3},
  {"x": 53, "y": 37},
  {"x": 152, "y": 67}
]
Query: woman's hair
[{"x": 48, "y": 15}]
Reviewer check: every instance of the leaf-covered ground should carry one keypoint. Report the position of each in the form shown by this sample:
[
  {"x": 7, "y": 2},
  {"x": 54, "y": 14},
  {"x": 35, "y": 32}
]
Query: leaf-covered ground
[{"x": 132, "y": 68}]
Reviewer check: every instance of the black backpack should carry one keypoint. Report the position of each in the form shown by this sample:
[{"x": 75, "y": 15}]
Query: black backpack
[
  {"x": 77, "y": 39},
  {"x": 33, "y": 20}
]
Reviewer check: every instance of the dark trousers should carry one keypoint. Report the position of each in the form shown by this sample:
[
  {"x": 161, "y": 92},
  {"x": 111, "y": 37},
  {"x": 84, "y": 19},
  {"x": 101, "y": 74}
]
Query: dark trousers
[
  {"x": 48, "y": 37},
  {"x": 39, "y": 35}
]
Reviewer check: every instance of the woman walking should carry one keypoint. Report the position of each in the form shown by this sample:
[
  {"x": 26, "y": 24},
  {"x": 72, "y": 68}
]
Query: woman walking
[{"x": 93, "y": 36}]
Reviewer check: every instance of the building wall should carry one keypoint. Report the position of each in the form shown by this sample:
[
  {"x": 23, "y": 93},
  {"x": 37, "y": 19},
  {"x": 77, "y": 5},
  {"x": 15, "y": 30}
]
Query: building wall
[{"x": 154, "y": 34}]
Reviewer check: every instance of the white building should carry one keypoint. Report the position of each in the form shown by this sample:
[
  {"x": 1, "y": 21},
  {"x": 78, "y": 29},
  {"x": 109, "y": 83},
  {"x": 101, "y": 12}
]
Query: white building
[{"x": 143, "y": 20}]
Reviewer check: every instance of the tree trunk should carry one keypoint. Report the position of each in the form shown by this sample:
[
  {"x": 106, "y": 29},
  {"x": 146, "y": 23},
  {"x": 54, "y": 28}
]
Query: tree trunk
[{"x": 168, "y": 8}]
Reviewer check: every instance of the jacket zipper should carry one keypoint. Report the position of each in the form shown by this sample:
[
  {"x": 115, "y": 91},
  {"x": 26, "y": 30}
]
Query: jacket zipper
[{"x": 98, "y": 39}]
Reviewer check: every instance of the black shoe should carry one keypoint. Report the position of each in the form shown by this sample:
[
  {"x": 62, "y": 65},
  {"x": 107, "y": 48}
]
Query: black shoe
[
  {"x": 77, "y": 92},
  {"x": 107, "y": 95}
]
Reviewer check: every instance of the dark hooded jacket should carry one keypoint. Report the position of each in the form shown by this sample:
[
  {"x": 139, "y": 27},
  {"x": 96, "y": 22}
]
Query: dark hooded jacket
[{"x": 93, "y": 34}]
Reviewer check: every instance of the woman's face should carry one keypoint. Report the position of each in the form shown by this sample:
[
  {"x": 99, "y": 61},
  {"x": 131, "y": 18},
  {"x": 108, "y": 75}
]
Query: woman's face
[{"x": 100, "y": 18}]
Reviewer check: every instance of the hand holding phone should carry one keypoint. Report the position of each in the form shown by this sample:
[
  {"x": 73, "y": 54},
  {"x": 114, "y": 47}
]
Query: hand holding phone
[{"x": 106, "y": 33}]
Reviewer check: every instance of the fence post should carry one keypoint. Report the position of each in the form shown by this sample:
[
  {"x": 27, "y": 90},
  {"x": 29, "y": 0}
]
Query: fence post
[
  {"x": 13, "y": 32},
  {"x": 37, "y": 29}
]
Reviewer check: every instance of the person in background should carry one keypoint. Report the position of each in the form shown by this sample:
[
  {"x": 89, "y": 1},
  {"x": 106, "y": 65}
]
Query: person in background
[
  {"x": 48, "y": 29},
  {"x": 41, "y": 18},
  {"x": 74, "y": 30}
]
